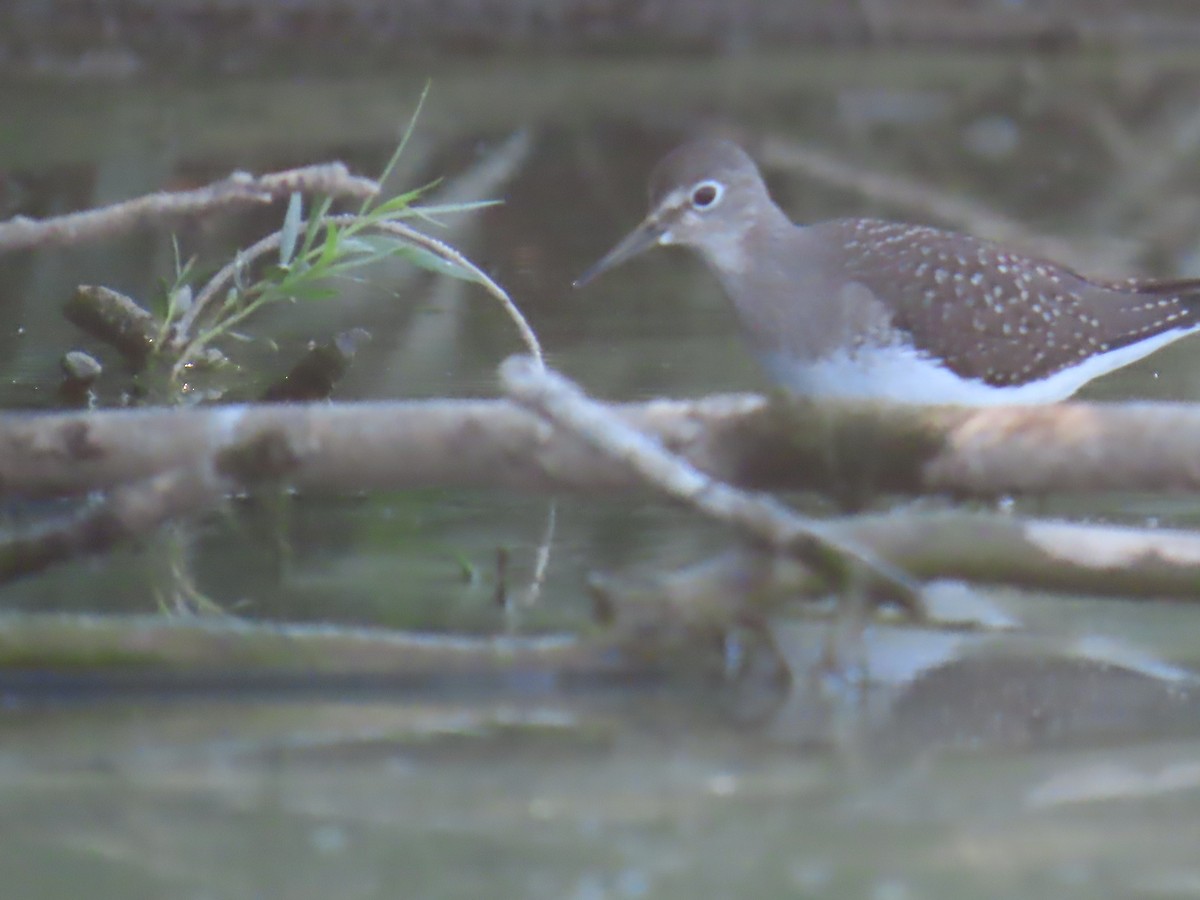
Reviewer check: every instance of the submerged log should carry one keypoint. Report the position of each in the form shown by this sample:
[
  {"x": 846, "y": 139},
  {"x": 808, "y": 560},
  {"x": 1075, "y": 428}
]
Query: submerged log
[{"x": 785, "y": 444}]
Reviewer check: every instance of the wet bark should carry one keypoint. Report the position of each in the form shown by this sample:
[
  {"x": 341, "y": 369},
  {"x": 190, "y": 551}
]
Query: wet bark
[{"x": 840, "y": 449}]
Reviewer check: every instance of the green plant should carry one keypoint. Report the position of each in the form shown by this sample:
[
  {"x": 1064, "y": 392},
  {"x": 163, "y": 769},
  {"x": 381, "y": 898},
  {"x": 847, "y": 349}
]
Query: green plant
[{"x": 314, "y": 250}]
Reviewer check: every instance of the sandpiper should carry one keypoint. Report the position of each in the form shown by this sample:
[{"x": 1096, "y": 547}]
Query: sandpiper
[{"x": 866, "y": 308}]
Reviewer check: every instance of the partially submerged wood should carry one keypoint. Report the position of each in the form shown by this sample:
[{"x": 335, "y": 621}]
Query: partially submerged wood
[
  {"x": 1100, "y": 560},
  {"x": 785, "y": 445},
  {"x": 981, "y": 548},
  {"x": 234, "y": 650}
]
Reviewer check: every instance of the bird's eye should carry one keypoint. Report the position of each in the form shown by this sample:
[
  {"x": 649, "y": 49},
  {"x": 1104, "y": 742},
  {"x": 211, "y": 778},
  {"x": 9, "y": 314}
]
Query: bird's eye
[{"x": 706, "y": 194}]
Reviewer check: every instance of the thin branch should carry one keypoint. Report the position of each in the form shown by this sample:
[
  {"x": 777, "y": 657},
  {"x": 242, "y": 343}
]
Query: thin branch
[
  {"x": 541, "y": 562},
  {"x": 131, "y": 511},
  {"x": 219, "y": 281},
  {"x": 1102, "y": 560},
  {"x": 239, "y": 189},
  {"x": 449, "y": 253},
  {"x": 271, "y": 242}
]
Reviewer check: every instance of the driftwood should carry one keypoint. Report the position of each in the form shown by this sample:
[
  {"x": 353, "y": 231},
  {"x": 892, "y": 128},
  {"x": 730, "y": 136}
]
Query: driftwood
[
  {"x": 982, "y": 548},
  {"x": 786, "y": 444}
]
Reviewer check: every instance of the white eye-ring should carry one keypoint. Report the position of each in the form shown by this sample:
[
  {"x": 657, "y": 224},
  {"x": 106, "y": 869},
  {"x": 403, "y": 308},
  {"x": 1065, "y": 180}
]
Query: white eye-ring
[{"x": 707, "y": 194}]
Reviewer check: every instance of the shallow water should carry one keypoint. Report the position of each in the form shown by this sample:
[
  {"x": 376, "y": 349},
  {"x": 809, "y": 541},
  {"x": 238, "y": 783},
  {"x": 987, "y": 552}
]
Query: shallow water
[{"x": 1059, "y": 760}]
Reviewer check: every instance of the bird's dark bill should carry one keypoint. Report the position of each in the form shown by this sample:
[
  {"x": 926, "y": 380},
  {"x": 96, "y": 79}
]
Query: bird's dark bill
[{"x": 638, "y": 241}]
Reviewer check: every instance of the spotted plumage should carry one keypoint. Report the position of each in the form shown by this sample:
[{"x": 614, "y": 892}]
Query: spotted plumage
[
  {"x": 997, "y": 316},
  {"x": 869, "y": 308}
]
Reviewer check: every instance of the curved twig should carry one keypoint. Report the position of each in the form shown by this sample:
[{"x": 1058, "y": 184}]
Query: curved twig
[{"x": 272, "y": 242}]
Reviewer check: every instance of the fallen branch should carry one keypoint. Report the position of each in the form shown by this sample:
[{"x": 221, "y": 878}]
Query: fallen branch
[
  {"x": 159, "y": 465},
  {"x": 1101, "y": 560},
  {"x": 982, "y": 548},
  {"x": 239, "y": 189},
  {"x": 794, "y": 444}
]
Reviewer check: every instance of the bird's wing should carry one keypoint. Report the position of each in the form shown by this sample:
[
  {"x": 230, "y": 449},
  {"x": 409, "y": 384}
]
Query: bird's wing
[{"x": 1003, "y": 318}]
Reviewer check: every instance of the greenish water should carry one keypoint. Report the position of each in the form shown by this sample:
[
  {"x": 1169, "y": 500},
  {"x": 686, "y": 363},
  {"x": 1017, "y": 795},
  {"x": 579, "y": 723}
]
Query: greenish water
[{"x": 1059, "y": 760}]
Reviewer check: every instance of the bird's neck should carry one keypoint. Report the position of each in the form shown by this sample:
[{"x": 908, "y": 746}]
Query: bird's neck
[
  {"x": 734, "y": 251},
  {"x": 777, "y": 277}
]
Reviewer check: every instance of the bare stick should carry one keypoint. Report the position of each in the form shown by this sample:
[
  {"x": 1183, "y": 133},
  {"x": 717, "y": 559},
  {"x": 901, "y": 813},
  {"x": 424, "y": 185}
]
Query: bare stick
[
  {"x": 1102, "y": 560},
  {"x": 239, "y": 189},
  {"x": 762, "y": 518},
  {"x": 226, "y": 274}
]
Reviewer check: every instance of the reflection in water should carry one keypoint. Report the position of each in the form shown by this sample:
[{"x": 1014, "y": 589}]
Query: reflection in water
[
  {"x": 933, "y": 691},
  {"x": 661, "y": 791}
]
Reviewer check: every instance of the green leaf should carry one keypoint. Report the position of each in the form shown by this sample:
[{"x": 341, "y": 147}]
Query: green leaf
[
  {"x": 431, "y": 262},
  {"x": 400, "y": 206},
  {"x": 275, "y": 273},
  {"x": 329, "y": 250},
  {"x": 315, "y": 220},
  {"x": 439, "y": 209},
  {"x": 356, "y": 246},
  {"x": 179, "y": 300},
  {"x": 408, "y": 132},
  {"x": 312, "y": 291},
  {"x": 290, "y": 231}
]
